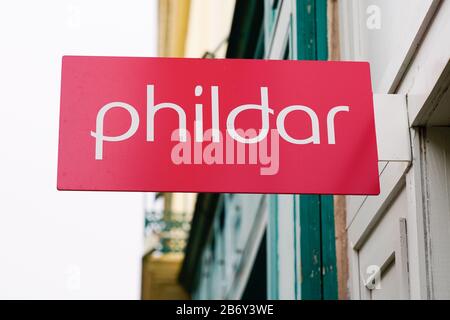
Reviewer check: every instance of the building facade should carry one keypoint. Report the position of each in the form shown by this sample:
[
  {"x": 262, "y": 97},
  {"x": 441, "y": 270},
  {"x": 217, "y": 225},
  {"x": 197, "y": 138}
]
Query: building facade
[
  {"x": 398, "y": 242},
  {"x": 391, "y": 246}
]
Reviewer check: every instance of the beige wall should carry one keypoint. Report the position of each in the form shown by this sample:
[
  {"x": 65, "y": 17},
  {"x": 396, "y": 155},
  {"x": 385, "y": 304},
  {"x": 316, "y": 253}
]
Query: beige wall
[
  {"x": 183, "y": 203},
  {"x": 209, "y": 24}
]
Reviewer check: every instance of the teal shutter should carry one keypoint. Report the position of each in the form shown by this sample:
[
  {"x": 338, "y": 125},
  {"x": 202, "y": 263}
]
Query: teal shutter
[
  {"x": 313, "y": 224},
  {"x": 329, "y": 273},
  {"x": 317, "y": 240},
  {"x": 272, "y": 249}
]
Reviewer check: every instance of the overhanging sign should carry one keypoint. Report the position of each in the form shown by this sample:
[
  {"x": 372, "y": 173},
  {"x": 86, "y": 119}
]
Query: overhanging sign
[{"x": 204, "y": 125}]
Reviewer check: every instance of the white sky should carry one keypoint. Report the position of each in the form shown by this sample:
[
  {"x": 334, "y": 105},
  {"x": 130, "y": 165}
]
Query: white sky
[{"x": 54, "y": 244}]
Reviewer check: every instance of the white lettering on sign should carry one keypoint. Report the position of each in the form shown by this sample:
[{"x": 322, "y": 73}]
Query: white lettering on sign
[
  {"x": 243, "y": 137},
  {"x": 98, "y": 134}
]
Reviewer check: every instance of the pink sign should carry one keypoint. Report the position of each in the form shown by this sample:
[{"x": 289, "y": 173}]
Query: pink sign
[{"x": 206, "y": 125}]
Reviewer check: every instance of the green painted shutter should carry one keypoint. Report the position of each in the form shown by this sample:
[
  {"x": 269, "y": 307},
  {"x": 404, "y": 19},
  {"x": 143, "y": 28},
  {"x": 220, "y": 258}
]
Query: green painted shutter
[{"x": 318, "y": 252}]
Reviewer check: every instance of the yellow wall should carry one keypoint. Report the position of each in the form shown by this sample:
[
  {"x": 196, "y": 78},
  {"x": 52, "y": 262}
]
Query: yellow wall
[
  {"x": 189, "y": 28},
  {"x": 173, "y": 18},
  {"x": 160, "y": 278}
]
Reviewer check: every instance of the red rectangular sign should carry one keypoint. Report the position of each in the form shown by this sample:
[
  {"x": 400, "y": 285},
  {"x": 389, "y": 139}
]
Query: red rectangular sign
[{"x": 207, "y": 125}]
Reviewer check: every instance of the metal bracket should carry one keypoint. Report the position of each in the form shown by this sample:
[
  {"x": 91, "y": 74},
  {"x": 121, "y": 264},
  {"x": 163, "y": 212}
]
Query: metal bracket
[{"x": 392, "y": 127}]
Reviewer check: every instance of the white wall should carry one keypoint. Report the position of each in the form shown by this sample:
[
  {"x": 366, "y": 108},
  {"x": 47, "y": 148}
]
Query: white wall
[
  {"x": 62, "y": 244},
  {"x": 406, "y": 226}
]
